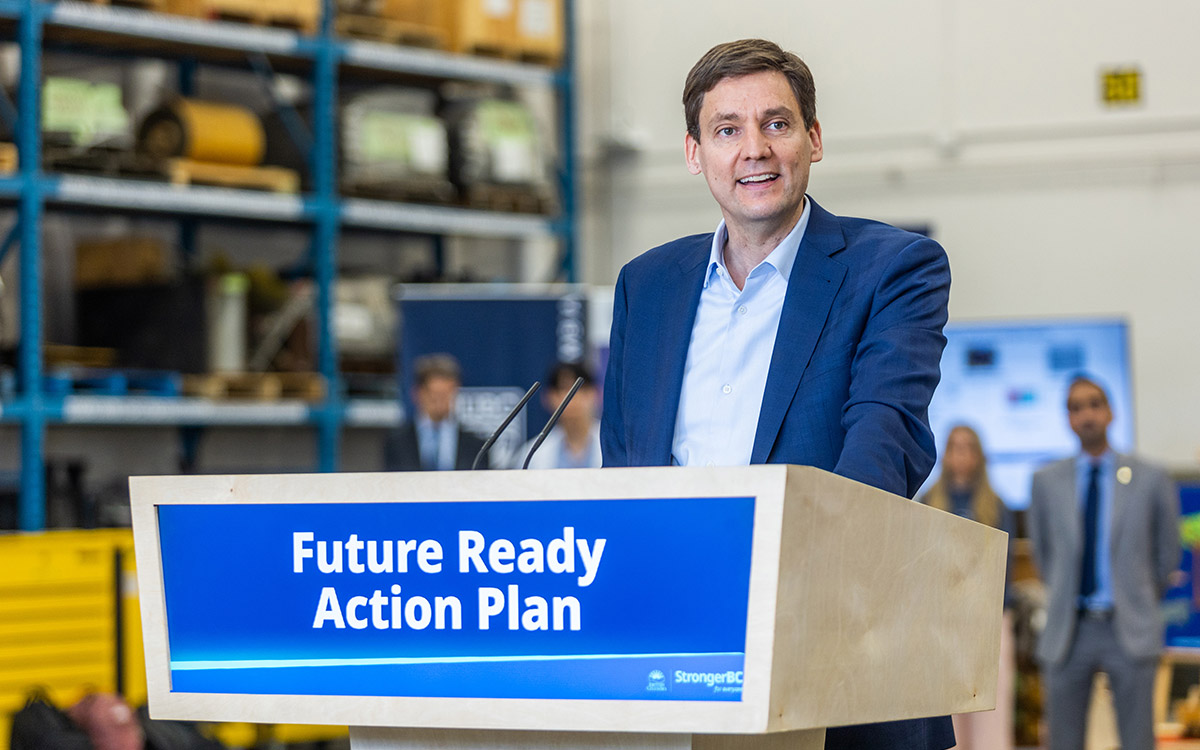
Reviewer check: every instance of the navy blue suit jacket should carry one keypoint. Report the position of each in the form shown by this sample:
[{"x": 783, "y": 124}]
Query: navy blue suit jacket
[{"x": 855, "y": 364}]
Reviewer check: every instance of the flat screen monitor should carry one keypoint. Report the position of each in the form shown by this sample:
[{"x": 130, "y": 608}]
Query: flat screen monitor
[{"x": 1008, "y": 380}]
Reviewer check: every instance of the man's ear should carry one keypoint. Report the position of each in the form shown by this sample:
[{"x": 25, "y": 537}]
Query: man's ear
[
  {"x": 691, "y": 152},
  {"x": 814, "y": 134}
]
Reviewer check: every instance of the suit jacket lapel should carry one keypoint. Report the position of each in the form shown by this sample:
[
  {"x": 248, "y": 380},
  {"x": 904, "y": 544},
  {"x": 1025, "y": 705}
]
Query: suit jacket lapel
[
  {"x": 679, "y": 299},
  {"x": 1072, "y": 512},
  {"x": 812, "y": 287},
  {"x": 1120, "y": 500}
]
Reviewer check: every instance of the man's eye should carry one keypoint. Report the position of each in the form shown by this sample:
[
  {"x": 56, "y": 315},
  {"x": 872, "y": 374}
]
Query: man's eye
[
  {"x": 725, "y": 131},
  {"x": 777, "y": 125}
]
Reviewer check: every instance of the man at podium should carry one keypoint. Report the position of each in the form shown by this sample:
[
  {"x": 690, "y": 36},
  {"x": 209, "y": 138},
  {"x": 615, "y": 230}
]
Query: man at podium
[{"x": 788, "y": 335}]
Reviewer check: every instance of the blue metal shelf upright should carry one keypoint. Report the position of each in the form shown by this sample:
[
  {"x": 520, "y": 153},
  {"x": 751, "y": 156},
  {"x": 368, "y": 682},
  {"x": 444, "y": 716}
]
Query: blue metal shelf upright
[{"x": 323, "y": 211}]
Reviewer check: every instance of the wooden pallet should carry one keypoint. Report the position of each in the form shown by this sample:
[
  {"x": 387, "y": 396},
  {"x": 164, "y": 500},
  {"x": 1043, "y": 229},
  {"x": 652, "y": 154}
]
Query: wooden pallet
[
  {"x": 232, "y": 386},
  {"x": 539, "y": 57},
  {"x": 301, "y": 15},
  {"x": 155, "y": 5},
  {"x": 264, "y": 18},
  {"x": 489, "y": 197},
  {"x": 189, "y": 172},
  {"x": 260, "y": 386},
  {"x": 487, "y": 49},
  {"x": 359, "y": 7},
  {"x": 498, "y": 51},
  {"x": 509, "y": 52},
  {"x": 399, "y": 189},
  {"x": 102, "y": 162},
  {"x": 57, "y": 355},
  {"x": 393, "y": 31},
  {"x": 306, "y": 386},
  {"x": 8, "y": 158}
]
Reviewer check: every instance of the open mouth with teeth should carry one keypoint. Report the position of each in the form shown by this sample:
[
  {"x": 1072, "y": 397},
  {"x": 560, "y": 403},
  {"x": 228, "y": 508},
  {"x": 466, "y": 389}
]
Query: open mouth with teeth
[{"x": 758, "y": 179}]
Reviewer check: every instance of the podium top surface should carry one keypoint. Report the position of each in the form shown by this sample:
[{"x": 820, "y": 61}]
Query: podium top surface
[{"x": 707, "y": 600}]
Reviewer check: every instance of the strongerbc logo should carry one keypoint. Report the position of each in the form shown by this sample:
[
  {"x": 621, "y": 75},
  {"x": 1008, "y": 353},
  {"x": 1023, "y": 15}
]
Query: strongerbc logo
[{"x": 657, "y": 681}]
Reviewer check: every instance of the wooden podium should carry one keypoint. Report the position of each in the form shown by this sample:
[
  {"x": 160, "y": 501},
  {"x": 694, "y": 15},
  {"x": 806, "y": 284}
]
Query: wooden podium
[{"x": 851, "y": 605}]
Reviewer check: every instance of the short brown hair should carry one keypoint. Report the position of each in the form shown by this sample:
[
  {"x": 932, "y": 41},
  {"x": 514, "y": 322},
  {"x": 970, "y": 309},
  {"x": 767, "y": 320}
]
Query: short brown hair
[
  {"x": 741, "y": 58},
  {"x": 429, "y": 366},
  {"x": 1080, "y": 381}
]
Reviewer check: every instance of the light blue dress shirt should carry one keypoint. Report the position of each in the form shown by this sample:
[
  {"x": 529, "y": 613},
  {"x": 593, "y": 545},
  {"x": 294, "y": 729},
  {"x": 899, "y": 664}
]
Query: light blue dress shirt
[
  {"x": 1102, "y": 597},
  {"x": 437, "y": 440},
  {"x": 729, "y": 355}
]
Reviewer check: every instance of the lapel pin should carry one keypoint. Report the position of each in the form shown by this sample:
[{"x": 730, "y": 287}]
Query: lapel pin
[{"x": 1124, "y": 475}]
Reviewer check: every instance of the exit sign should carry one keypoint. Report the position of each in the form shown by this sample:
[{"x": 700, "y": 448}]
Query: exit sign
[{"x": 1121, "y": 86}]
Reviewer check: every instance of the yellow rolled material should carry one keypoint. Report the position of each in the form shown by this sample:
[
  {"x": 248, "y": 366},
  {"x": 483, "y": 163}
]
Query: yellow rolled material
[{"x": 205, "y": 131}]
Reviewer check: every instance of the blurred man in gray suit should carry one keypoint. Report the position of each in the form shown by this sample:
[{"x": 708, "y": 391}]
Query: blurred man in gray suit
[{"x": 1105, "y": 532}]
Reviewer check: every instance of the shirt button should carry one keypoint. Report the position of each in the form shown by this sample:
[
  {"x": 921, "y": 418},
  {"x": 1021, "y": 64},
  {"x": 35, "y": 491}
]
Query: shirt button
[
  {"x": 742, "y": 310},
  {"x": 727, "y": 388}
]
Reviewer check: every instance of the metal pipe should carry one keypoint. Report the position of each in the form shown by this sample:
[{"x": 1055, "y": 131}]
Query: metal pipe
[
  {"x": 323, "y": 166},
  {"x": 31, "y": 508},
  {"x": 566, "y": 112}
]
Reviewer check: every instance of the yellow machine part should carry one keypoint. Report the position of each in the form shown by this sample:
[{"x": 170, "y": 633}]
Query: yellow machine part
[
  {"x": 222, "y": 133},
  {"x": 58, "y": 617},
  {"x": 211, "y": 132},
  {"x": 70, "y": 623}
]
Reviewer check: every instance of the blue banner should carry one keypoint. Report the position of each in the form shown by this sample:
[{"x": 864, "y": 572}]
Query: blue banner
[
  {"x": 505, "y": 341},
  {"x": 597, "y": 599},
  {"x": 1181, "y": 605}
]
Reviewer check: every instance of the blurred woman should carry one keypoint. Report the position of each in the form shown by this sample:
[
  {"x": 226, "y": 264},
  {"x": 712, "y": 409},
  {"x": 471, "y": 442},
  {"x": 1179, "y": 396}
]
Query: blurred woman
[{"x": 963, "y": 489}]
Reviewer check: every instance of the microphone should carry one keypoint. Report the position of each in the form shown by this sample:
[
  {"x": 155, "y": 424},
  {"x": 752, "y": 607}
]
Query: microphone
[
  {"x": 487, "y": 444},
  {"x": 552, "y": 421}
]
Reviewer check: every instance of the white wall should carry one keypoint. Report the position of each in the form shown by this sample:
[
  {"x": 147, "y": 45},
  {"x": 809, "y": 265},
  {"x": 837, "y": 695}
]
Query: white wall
[{"x": 982, "y": 120}]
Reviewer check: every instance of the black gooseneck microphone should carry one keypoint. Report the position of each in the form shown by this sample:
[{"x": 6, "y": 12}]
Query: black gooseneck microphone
[
  {"x": 487, "y": 444},
  {"x": 551, "y": 422}
]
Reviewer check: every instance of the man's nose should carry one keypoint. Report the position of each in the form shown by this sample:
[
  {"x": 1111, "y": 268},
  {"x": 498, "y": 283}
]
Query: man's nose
[{"x": 757, "y": 145}]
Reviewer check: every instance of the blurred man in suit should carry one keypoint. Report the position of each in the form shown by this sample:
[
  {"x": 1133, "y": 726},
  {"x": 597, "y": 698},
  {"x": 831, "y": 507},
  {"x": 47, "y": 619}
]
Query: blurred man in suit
[
  {"x": 789, "y": 335},
  {"x": 1105, "y": 532},
  {"x": 433, "y": 440}
]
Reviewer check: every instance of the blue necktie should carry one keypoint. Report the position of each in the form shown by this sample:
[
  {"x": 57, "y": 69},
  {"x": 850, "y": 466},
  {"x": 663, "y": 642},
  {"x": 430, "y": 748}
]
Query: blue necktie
[{"x": 1091, "y": 517}]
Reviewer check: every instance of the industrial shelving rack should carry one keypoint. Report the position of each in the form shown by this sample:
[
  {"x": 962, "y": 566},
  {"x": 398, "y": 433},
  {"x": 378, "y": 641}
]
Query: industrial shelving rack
[{"x": 324, "y": 213}]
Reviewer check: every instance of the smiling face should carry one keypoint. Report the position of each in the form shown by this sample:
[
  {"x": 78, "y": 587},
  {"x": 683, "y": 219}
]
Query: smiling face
[{"x": 755, "y": 152}]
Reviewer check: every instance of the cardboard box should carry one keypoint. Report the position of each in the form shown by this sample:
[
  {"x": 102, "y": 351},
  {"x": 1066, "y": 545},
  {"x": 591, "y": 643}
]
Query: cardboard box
[
  {"x": 539, "y": 31},
  {"x": 121, "y": 261},
  {"x": 486, "y": 27}
]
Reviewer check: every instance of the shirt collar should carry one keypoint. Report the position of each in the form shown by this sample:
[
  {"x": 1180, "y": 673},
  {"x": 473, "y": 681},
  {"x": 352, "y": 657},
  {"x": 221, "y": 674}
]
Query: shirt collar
[
  {"x": 782, "y": 258},
  {"x": 1086, "y": 461},
  {"x": 428, "y": 425}
]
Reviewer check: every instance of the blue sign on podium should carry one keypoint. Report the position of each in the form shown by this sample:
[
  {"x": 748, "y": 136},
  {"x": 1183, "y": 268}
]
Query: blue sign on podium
[{"x": 597, "y": 599}]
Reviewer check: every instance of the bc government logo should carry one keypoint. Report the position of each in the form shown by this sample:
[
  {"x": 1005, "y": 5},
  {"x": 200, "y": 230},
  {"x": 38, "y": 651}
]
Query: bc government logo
[{"x": 656, "y": 682}]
